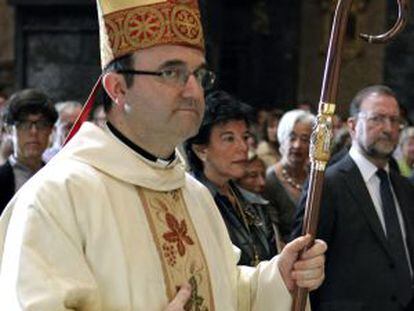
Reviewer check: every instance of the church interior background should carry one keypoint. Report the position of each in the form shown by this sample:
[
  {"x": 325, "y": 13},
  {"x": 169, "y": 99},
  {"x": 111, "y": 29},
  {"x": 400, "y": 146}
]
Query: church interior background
[{"x": 268, "y": 53}]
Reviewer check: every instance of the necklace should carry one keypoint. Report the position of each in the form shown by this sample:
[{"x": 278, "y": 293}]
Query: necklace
[
  {"x": 290, "y": 180},
  {"x": 247, "y": 222}
]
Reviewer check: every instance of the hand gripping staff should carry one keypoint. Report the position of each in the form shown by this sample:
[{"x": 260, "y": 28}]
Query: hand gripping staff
[{"x": 319, "y": 151}]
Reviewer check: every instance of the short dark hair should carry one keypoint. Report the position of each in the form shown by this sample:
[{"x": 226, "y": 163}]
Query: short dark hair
[
  {"x": 122, "y": 63},
  {"x": 221, "y": 108},
  {"x": 355, "y": 106},
  {"x": 29, "y": 101}
]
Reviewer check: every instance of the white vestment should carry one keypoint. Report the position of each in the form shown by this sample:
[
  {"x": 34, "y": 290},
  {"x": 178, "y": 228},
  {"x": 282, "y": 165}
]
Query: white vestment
[{"x": 76, "y": 236}]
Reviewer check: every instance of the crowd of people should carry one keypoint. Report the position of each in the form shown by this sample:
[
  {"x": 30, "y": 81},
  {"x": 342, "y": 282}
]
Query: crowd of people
[
  {"x": 367, "y": 214},
  {"x": 178, "y": 196},
  {"x": 261, "y": 199},
  {"x": 260, "y": 192}
]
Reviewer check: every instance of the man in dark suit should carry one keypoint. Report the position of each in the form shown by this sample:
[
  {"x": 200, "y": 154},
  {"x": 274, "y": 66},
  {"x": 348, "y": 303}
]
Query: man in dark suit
[
  {"x": 29, "y": 119},
  {"x": 367, "y": 216}
]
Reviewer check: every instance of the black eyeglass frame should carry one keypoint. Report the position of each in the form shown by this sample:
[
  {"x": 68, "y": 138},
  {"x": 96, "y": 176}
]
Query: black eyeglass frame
[
  {"x": 140, "y": 72},
  {"x": 26, "y": 125},
  {"x": 211, "y": 75}
]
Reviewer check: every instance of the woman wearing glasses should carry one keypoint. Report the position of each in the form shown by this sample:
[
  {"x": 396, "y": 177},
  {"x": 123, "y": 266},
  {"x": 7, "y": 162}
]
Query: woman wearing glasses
[{"x": 217, "y": 155}]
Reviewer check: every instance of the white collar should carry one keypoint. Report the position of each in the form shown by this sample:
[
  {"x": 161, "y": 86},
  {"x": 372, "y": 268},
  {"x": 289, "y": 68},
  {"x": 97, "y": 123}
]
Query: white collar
[{"x": 366, "y": 167}]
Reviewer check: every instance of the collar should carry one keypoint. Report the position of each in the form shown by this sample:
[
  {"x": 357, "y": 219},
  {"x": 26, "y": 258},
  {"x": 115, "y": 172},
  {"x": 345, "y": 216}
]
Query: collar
[
  {"x": 214, "y": 190},
  {"x": 138, "y": 149},
  {"x": 366, "y": 167},
  {"x": 103, "y": 151},
  {"x": 199, "y": 175},
  {"x": 14, "y": 162}
]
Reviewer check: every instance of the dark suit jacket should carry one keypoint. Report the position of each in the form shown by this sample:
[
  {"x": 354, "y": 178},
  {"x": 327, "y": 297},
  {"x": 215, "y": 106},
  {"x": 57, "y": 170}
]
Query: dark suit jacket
[
  {"x": 359, "y": 271},
  {"x": 412, "y": 179},
  {"x": 7, "y": 186}
]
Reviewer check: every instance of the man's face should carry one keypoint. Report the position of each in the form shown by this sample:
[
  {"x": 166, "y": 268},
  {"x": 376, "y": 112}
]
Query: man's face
[
  {"x": 376, "y": 128},
  {"x": 166, "y": 111},
  {"x": 31, "y": 137}
]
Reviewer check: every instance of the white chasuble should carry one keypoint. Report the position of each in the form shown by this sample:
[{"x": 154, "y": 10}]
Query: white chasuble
[{"x": 100, "y": 228}]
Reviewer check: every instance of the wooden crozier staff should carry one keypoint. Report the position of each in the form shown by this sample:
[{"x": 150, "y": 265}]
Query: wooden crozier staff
[{"x": 319, "y": 151}]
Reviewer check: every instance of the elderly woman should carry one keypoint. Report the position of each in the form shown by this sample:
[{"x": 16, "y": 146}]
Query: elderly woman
[
  {"x": 216, "y": 156},
  {"x": 285, "y": 179},
  {"x": 406, "y": 144}
]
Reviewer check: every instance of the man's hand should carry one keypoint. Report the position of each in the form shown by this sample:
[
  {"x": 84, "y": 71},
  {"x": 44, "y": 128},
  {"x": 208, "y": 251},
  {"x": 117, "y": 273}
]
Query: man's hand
[
  {"x": 307, "y": 271},
  {"x": 178, "y": 303}
]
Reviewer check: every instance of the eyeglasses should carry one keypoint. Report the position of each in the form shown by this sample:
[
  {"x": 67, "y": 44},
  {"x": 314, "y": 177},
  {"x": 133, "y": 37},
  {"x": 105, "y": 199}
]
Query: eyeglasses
[
  {"x": 40, "y": 125},
  {"x": 380, "y": 119},
  {"x": 178, "y": 76}
]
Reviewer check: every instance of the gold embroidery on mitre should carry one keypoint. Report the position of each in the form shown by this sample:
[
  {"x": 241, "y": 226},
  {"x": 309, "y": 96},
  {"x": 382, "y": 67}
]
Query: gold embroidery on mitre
[
  {"x": 143, "y": 27},
  {"x": 179, "y": 249},
  {"x": 186, "y": 25},
  {"x": 108, "y": 41},
  {"x": 160, "y": 22}
]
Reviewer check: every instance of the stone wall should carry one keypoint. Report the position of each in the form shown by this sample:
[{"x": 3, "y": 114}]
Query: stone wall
[
  {"x": 6, "y": 48},
  {"x": 253, "y": 47},
  {"x": 267, "y": 52},
  {"x": 57, "y": 47},
  {"x": 399, "y": 62},
  {"x": 362, "y": 63}
]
